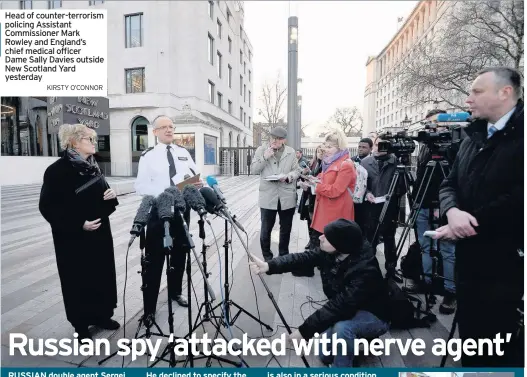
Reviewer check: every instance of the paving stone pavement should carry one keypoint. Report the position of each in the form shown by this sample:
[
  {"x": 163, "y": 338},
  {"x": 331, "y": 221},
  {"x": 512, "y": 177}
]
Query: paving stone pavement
[{"x": 32, "y": 304}]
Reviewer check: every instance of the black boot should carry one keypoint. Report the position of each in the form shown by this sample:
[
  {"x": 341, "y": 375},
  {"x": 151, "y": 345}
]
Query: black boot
[
  {"x": 83, "y": 333},
  {"x": 107, "y": 324}
]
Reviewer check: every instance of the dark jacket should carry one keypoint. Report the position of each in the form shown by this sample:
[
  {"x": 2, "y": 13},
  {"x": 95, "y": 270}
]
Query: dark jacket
[
  {"x": 85, "y": 259},
  {"x": 379, "y": 180},
  {"x": 486, "y": 181},
  {"x": 356, "y": 283},
  {"x": 307, "y": 201}
]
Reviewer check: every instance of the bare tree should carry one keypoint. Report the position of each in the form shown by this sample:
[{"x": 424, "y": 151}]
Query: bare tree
[
  {"x": 348, "y": 119},
  {"x": 474, "y": 35},
  {"x": 272, "y": 100}
]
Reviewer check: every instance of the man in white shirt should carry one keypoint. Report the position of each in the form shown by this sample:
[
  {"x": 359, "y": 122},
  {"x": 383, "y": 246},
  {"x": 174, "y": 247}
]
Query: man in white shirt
[
  {"x": 160, "y": 167},
  {"x": 483, "y": 198}
]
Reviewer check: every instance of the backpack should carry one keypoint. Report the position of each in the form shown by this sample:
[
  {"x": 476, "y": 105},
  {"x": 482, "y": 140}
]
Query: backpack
[
  {"x": 411, "y": 263},
  {"x": 360, "y": 183},
  {"x": 403, "y": 314}
]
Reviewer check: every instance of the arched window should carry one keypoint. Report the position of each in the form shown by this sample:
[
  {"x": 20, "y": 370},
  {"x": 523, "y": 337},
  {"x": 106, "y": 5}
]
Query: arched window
[
  {"x": 238, "y": 141},
  {"x": 245, "y": 141},
  {"x": 230, "y": 139},
  {"x": 139, "y": 134}
]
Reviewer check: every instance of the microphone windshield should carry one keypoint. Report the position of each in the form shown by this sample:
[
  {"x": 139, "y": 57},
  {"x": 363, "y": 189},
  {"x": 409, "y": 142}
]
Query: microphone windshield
[
  {"x": 165, "y": 201},
  {"x": 211, "y": 199},
  {"x": 179, "y": 201},
  {"x": 211, "y": 181},
  {"x": 143, "y": 213},
  {"x": 194, "y": 198}
]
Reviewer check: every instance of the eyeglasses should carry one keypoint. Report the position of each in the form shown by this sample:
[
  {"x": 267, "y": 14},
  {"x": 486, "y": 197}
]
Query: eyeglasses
[
  {"x": 92, "y": 139},
  {"x": 164, "y": 128},
  {"x": 273, "y": 138}
]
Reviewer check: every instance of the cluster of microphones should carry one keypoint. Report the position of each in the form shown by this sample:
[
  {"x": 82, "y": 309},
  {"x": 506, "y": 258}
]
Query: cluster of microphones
[{"x": 172, "y": 202}]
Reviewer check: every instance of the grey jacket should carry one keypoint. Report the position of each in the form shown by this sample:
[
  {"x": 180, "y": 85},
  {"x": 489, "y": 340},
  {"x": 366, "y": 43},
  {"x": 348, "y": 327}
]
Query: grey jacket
[
  {"x": 271, "y": 192},
  {"x": 379, "y": 181}
]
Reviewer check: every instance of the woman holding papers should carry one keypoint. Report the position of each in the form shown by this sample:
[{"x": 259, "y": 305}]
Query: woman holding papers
[
  {"x": 335, "y": 184},
  {"x": 77, "y": 201}
]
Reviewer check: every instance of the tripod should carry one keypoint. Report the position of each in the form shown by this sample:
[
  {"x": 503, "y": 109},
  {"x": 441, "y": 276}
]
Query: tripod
[
  {"x": 437, "y": 162},
  {"x": 206, "y": 306},
  {"x": 147, "y": 320}
]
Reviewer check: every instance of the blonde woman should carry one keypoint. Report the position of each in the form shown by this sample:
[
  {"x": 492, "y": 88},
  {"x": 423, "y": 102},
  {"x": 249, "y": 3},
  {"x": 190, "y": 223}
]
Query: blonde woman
[
  {"x": 77, "y": 201},
  {"x": 333, "y": 199}
]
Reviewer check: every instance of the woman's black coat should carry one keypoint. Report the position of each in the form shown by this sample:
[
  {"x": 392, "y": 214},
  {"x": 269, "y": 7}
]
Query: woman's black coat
[{"x": 85, "y": 259}]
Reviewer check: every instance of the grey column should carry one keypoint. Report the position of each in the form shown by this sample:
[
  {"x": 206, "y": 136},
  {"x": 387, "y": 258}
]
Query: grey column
[{"x": 292, "y": 77}]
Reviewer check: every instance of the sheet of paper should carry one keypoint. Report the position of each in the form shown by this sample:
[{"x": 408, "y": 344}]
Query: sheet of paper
[
  {"x": 274, "y": 177},
  {"x": 380, "y": 199}
]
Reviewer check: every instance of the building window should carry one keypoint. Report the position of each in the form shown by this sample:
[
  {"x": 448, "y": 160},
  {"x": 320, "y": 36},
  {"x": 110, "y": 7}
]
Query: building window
[
  {"x": 210, "y": 144},
  {"x": 250, "y": 74},
  {"x": 220, "y": 100},
  {"x": 219, "y": 64},
  {"x": 241, "y": 32},
  {"x": 229, "y": 15},
  {"x": 211, "y": 49},
  {"x": 250, "y": 56},
  {"x": 230, "y": 107},
  {"x": 139, "y": 134},
  {"x": 241, "y": 113},
  {"x": 97, "y": 2},
  {"x": 211, "y": 9},
  {"x": 244, "y": 68},
  {"x": 230, "y": 45},
  {"x": 229, "y": 76},
  {"x": 211, "y": 92},
  {"x": 28, "y": 4},
  {"x": 244, "y": 92},
  {"x": 188, "y": 141},
  {"x": 218, "y": 29},
  {"x": 241, "y": 57},
  {"x": 241, "y": 85},
  {"x": 54, "y": 4},
  {"x": 250, "y": 120},
  {"x": 133, "y": 30},
  {"x": 244, "y": 114},
  {"x": 135, "y": 80},
  {"x": 250, "y": 99}
]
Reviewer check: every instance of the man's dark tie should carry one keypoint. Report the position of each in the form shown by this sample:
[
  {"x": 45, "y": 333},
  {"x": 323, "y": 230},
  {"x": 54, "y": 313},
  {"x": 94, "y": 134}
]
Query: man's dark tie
[{"x": 172, "y": 168}]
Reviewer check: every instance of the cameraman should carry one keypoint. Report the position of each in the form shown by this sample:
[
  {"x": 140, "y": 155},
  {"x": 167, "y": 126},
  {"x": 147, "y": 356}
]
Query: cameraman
[
  {"x": 483, "y": 199},
  {"x": 430, "y": 202},
  {"x": 381, "y": 168}
]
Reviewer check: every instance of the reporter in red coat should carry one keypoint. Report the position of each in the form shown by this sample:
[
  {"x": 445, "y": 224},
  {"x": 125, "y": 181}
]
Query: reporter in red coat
[{"x": 333, "y": 199}]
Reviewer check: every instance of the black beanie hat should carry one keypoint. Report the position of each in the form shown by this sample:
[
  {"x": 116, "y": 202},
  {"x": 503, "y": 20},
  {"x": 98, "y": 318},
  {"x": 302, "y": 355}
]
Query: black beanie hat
[{"x": 344, "y": 235}]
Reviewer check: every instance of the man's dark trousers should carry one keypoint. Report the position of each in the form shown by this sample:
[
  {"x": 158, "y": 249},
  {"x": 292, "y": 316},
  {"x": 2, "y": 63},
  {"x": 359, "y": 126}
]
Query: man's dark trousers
[
  {"x": 155, "y": 256},
  {"x": 286, "y": 222}
]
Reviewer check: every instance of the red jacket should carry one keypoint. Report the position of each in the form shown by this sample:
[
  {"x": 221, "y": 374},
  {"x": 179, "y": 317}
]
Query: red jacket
[{"x": 333, "y": 200}]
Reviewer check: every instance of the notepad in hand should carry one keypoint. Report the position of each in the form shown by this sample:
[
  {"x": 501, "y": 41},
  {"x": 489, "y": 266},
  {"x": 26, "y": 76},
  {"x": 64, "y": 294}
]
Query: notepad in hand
[{"x": 275, "y": 177}]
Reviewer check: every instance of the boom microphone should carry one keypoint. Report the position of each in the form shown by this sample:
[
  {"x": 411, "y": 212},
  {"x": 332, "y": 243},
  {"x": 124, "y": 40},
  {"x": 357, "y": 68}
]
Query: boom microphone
[
  {"x": 165, "y": 209},
  {"x": 141, "y": 218},
  {"x": 194, "y": 199},
  {"x": 212, "y": 182},
  {"x": 215, "y": 207},
  {"x": 455, "y": 117}
]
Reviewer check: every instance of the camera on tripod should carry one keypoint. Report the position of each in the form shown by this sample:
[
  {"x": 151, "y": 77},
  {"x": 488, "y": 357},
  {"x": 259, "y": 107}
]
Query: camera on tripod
[
  {"x": 399, "y": 144},
  {"x": 438, "y": 142}
]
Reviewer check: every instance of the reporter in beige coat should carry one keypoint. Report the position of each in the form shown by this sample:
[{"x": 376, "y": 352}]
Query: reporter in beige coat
[{"x": 276, "y": 196}]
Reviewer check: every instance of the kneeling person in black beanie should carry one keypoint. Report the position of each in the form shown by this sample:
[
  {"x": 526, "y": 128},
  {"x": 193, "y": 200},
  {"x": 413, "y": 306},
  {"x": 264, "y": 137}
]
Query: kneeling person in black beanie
[{"x": 352, "y": 280}]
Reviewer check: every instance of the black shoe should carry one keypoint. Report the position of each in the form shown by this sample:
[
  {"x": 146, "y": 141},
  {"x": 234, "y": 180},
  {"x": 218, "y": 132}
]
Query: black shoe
[
  {"x": 392, "y": 275},
  {"x": 449, "y": 304},
  {"x": 83, "y": 333},
  {"x": 107, "y": 324},
  {"x": 181, "y": 301}
]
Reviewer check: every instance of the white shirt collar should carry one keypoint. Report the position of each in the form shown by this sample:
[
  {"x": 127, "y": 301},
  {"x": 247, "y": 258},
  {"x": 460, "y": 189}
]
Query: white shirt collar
[
  {"x": 500, "y": 124},
  {"x": 164, "y": 146}
]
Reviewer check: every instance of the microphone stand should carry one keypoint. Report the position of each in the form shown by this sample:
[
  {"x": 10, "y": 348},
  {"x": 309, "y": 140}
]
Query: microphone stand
[
  {"x": 208, "y": 315},
  {"x": 269, "y": 293}
]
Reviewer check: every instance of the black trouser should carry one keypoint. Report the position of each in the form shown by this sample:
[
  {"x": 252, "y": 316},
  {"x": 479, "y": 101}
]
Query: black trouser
[
  {"x": 387, "y": 230},
  {"x": 286, "y": 222},
  {"x": 155, "y": 256},
  {"x": 485, "y": 308},
  {"x": 361, "y": 215}
]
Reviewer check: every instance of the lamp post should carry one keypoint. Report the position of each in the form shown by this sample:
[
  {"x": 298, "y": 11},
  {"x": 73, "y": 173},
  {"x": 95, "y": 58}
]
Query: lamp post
[
  {"x": 299, "y": 112},
  {"x": 405, "y": 124},
  {"x": 292, "y": 77}
]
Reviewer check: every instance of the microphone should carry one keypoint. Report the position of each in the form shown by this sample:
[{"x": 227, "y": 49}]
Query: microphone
[
  {"x": 141, "y": 218},
  {"x": 215, "y": 207},
  {"x": 212, "y": 182},
  {"x": 179, "y": 201},
  {"x": 165, "y": 209},
  {"x": 455, "y": 117},
  {"x": 194, "y": 199}
]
